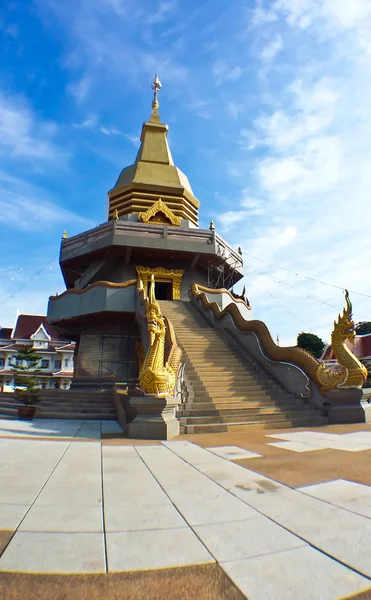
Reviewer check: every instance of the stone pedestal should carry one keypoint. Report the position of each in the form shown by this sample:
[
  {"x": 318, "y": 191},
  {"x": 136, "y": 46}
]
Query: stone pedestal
[
  {"x": 345, "y": 406},
  {"x": 155, "y": 419}
]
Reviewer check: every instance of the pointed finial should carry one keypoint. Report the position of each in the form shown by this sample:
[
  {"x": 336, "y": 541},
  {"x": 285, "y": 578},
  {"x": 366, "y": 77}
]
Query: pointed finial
[
  {"x": 115, "y": 215},
  {"x": 212, "y": 226},
  {"x": 64, "y": 236},
  {"x": 156, "y": 86}
]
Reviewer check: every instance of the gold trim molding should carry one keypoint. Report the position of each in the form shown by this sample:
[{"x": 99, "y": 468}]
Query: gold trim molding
[
  {"x": 108, "y": 284},
  {"x": 163, "y": 275},
  {"x": 153, "y": 214}
]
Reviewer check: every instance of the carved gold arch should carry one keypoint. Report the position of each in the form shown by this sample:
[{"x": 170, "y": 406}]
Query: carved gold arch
[
  {"x": 160, "y": 213},
  {"x": 163, "y": 275}
]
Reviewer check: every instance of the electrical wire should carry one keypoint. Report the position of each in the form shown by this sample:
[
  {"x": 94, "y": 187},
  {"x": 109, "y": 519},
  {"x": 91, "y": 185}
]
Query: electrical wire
[
  {"x": 295, "y": 289},
  {"x": 29, "y": 280},
  {"x": 311, "y": 278},
  {"x": 306, "y": 325}
]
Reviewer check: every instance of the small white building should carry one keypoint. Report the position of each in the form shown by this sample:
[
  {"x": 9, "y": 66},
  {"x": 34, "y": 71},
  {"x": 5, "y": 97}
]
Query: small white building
[{"x": 56, "y": 354}]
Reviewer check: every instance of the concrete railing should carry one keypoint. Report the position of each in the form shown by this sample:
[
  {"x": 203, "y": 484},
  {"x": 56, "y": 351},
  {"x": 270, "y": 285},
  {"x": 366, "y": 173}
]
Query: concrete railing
[
  {"x": 292, "y": 371},
  {"x": 98, "y": 297}
]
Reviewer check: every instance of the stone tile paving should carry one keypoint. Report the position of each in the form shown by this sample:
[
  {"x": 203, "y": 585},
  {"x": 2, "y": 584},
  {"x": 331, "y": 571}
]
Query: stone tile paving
[
  {"x": 306, "y": 441},
  {"x": 80, "y": 506}
]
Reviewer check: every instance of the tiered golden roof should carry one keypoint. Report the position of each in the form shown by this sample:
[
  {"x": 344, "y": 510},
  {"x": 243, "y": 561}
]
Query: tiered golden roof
[{"x": 153, "y": 175}]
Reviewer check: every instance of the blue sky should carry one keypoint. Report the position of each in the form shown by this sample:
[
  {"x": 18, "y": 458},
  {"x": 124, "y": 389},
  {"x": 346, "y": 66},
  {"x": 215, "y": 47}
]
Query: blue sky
[{"x": 268, "y": 104}]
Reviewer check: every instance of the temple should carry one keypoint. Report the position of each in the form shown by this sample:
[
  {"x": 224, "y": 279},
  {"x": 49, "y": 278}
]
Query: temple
[
  {"x": 161, "y": 335},
  {"x": 152, "y": 228}
]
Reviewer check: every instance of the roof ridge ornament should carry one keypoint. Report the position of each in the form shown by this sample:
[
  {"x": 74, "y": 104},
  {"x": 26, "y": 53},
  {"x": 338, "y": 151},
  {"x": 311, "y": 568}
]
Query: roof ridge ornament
[{"x": 156, "y": 86}]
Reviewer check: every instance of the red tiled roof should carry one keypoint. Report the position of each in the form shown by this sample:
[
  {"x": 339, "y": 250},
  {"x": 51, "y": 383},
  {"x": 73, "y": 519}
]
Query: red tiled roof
[
  {"x": 27, "y": 325},
  {"x": 5, "y": 333},
  {"x": 361, "y": 348}
]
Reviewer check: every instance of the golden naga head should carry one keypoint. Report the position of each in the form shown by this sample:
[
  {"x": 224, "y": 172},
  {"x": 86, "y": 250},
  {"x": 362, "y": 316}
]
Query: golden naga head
[
  {"x": 345, "y": 326},
  {"x": 155, "y": 320}
]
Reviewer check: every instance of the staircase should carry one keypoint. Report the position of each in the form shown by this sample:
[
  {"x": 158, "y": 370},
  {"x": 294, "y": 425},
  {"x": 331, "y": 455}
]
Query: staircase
[
  {"x": 227, "y": 390},
  {"x": 60, "y": 404}
]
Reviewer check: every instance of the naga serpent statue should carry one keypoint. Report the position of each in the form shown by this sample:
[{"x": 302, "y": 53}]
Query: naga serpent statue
[
  {"x": 157, "y": 376},
  {"x": 353, "y": 373}
]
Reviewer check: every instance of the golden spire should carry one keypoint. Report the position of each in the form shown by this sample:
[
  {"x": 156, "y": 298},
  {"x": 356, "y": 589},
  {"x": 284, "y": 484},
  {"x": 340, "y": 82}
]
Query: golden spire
[{"x": 156, "y": 86}]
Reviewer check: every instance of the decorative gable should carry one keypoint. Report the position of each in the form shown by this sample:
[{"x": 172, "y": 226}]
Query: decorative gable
[
  {"x": 40, "y": 338},
  {"x": 160, "y": 213}
]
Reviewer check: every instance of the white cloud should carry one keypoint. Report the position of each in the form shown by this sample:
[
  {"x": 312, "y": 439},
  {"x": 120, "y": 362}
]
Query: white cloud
[
  {"x": 235, "y": 109},
  {"x": 260, "y": 15},
  {"x": 80, "y": 89},
  {"x": 22, "y": 134},
  {"x": 222, "y": 72},
  {"x": 335, "y": 14},
  {"x": 271, "y": 50},
  {"x": 307, "y": 157},
  {"x": 88, "y": 123},
  {"x": 24, "y": 207},
  {"x": 164, "y": 8}
]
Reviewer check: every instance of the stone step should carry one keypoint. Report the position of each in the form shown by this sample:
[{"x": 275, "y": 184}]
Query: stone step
[
  {"x": 243, "y": 412},
  {"x": 228, "y": 399},
  {"x": 230, "y": 406},
  {"x": 85, "y": 404},
  {"x": 236, "y": 427},
  {"x": 77, "y": 415},
  {"x": 257, "y": 416},
  {"x": 7, "y": 411},
  {"x": 73, "y": 409}
]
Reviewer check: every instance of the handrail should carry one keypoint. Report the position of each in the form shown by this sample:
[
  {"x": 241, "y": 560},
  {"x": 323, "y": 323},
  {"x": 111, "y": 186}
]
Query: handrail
[
  {"x": 207, "y": 290},
  {"x": 290, "y": 354},
  {"x": 150, "y": 230}
]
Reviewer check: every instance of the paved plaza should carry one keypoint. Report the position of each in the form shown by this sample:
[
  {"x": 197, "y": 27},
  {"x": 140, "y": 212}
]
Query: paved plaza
[{"x": 73, "y": 499}]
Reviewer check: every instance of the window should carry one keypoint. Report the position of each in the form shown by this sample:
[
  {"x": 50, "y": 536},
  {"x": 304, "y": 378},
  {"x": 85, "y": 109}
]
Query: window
[
  {"x": 44, "y": 363},
  {"x": 2, "y": 362},
  {"x": 10, "y": 360},
  {"x": 57, "y": 364},
  {"x": 66, "y": 362}
]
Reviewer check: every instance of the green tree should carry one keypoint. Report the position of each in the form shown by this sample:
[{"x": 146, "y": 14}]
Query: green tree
[
  {"x": 27, "y": 388},
  {"x": 311, "y": 343},
  {"x": 363, "y": 327}
]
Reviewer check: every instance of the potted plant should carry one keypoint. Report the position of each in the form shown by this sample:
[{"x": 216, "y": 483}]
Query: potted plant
[{"x": 26, "y": 385}]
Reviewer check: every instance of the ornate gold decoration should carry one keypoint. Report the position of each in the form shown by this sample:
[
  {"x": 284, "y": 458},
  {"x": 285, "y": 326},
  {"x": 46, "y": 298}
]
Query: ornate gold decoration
[
  {"x": 353, "y": 373},
  {"x": 318, "y": 372},
  {"x": 153, "y": 214},
  {"x": 108, "y": 284},
  {"x": 164, "y": 275},
  {"x": 64, "y": 236},
  {"x": 157, "y": 377},
  {"x": 115, "y": 215}
]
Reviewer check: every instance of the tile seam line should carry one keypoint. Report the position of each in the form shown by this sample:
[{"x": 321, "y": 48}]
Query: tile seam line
[
  {"x": 233, "y": 583},
  {"x": 268, "y": 478},
  {"x": 18, "y": 457},
  {"x": 176, "y": 508},
  {"x": 283, "y": 526},
  {"x": 103, "y": 503},
  {"x": 31, "y": 505}
]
